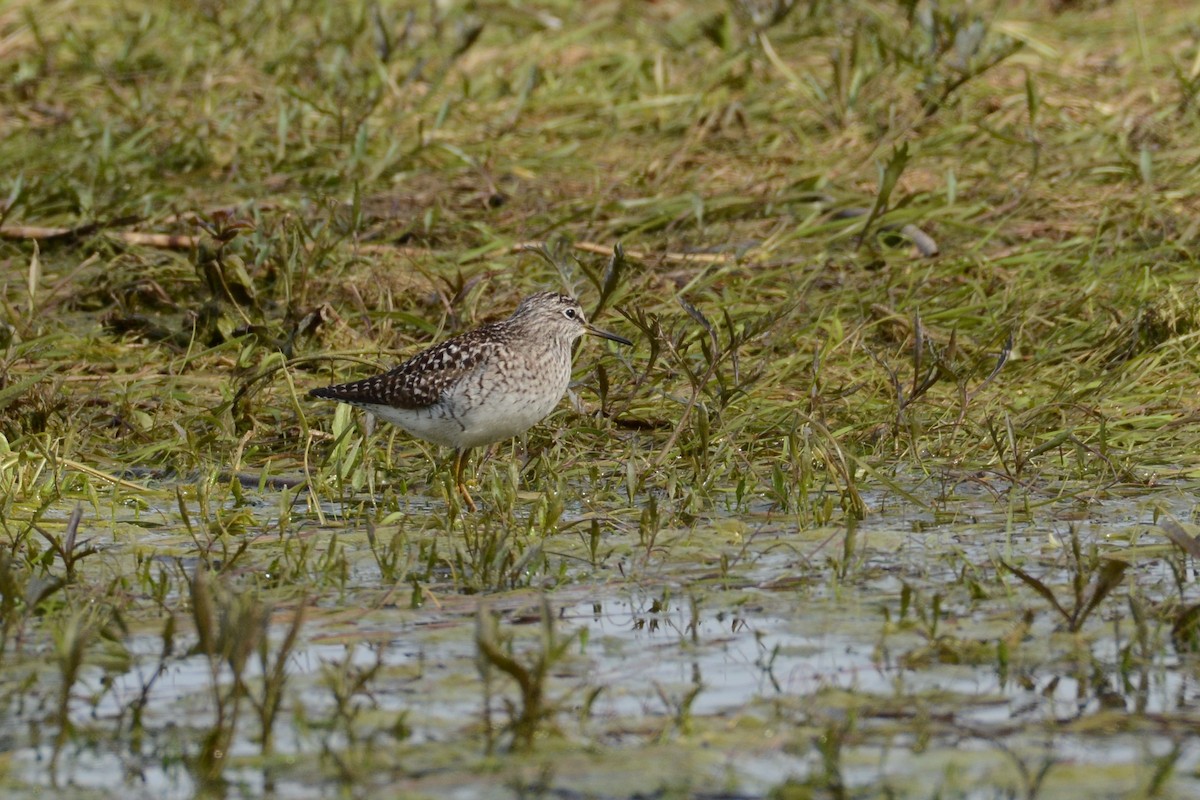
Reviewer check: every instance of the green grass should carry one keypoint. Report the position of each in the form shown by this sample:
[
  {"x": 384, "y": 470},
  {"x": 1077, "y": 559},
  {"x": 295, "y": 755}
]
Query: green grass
[{"x": 955, "y": 459}]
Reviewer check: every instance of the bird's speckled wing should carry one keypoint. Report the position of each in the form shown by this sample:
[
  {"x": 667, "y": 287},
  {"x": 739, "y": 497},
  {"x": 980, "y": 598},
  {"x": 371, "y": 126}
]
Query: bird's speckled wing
[{"x": 422, "y": 380}]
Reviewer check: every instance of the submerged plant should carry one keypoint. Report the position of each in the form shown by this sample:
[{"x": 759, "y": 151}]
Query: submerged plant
[
  {"x": 528, "y": 716},
  {"x": 231, "y": 627},
  {"x": 67, "y": 548},
  {"x": 1093, "y": 579},
  {"x": 21, "y": 594}
]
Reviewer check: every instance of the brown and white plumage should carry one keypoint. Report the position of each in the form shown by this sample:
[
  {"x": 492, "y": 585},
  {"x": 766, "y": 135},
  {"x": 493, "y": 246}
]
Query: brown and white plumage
[{"x": 483, "y": 386}]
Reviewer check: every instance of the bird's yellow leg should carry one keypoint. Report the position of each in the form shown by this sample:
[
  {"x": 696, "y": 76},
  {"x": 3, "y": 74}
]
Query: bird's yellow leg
[{"x": 460, "y": 462}]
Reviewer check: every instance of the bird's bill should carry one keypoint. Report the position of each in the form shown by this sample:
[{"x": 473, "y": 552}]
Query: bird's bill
[{"x": 594, "y": 331}]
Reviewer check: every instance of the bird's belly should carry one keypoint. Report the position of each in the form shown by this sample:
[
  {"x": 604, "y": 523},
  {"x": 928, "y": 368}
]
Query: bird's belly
[
  {"x": 433, "y": 423},
  {"x": 464, "y": 424},
  {"x": 503, "y": 417}
]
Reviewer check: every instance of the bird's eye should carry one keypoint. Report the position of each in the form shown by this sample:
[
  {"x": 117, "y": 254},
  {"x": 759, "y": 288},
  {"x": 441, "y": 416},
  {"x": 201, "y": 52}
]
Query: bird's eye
[{"x": 570, "y": 312}]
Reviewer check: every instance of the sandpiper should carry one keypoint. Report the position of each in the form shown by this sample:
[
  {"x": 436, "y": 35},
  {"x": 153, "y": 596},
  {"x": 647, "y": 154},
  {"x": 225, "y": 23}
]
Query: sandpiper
[{"x": 483, "y": 386}]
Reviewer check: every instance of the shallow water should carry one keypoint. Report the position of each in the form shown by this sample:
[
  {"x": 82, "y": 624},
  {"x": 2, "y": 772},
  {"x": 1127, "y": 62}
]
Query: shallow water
[{"x": 732, "y": 656}]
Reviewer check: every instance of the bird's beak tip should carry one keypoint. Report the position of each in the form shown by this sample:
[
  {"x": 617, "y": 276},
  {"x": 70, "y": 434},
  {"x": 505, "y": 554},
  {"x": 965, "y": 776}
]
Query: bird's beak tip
[{"x": 610, "y": 336}]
